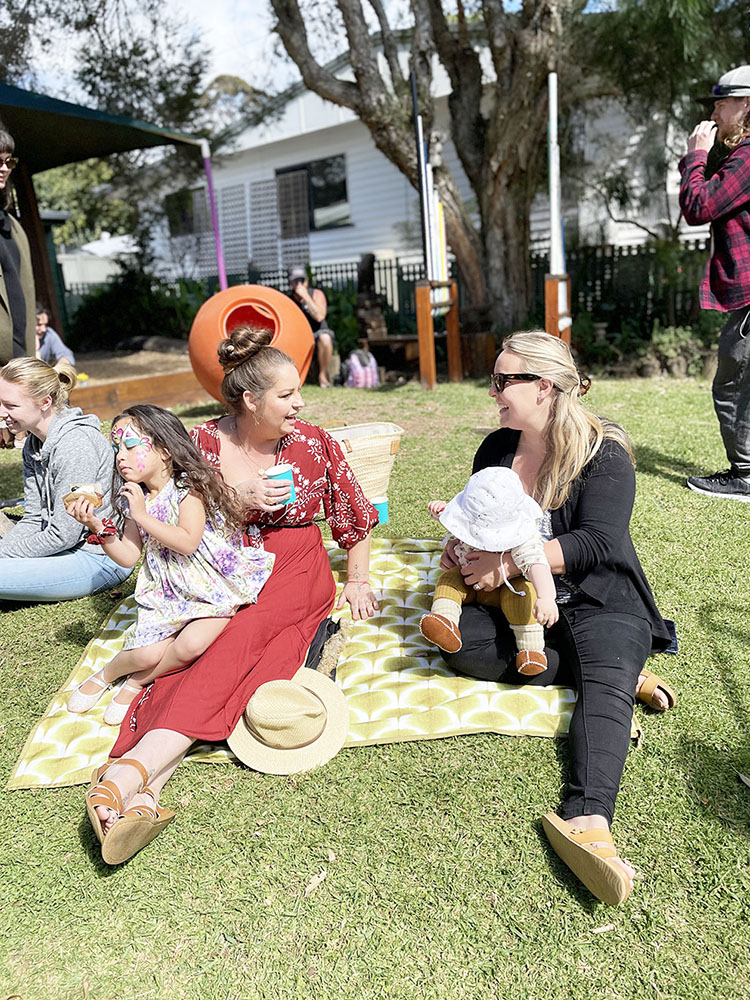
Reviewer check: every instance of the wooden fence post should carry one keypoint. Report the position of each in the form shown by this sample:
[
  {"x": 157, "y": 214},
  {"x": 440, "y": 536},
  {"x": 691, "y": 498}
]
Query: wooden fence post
[{"x": 425, "y": 335}]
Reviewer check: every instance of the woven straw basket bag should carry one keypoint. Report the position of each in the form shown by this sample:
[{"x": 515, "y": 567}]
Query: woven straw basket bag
[{"x": 370, "y": 450}]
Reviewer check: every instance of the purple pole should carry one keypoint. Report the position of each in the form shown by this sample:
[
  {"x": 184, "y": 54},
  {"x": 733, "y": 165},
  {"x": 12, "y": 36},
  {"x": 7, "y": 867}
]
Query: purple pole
[{"x": 220, "y": 267}]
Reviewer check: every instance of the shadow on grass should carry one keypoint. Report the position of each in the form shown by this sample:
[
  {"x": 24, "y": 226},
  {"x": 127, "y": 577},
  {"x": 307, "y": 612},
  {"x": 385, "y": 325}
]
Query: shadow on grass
[
  {"x": 79, "y": 631},
  {"x": 655, "y": 463},
  {"x": 713, "y": 619},
  {"x": 565, "y": 877},
  {"x": 712, "y": 771},
  {"x": 717, "y": 793}
]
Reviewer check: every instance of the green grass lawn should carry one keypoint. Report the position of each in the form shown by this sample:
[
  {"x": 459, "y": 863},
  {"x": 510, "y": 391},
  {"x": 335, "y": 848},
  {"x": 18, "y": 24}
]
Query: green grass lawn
[{"x": 438, "y": 880}]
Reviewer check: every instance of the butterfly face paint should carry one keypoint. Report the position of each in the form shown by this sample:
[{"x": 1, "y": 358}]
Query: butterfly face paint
[
  {"x": 136, "y": 457},
  {"x": 130, "y": 437}
]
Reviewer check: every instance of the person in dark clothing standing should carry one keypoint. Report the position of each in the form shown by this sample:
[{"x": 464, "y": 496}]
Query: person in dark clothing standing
[
  {"x": 17, "y": 299},
  {"x": 722, "y": 197},
  {"x": 579, "y": 469}
]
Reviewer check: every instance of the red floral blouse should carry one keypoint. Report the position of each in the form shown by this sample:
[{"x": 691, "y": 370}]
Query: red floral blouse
[{"x": 321, "y": 474}]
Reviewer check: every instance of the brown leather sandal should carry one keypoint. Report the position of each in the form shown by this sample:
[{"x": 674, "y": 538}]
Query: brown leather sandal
[
  {"x": 649, "y": 687},
  {"x": 440, "y": 631},
  {"x": 136, "y": 828},
  {"x": 107, "y": 794},
  {"x": 592, "y": 865}
]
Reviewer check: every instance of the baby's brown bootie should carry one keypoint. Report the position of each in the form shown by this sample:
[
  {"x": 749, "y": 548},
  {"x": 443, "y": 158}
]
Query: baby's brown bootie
[
  {"x": 441, "y": 631},
  {"x": 531, "y": 662}
]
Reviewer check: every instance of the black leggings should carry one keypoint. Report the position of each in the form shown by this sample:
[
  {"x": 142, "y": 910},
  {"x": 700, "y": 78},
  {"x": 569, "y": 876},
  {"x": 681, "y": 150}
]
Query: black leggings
[{"x": 601, "y": 655}]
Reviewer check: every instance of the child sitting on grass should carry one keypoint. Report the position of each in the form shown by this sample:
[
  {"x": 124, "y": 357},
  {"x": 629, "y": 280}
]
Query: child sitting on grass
[{"x": 196, "y": 571}]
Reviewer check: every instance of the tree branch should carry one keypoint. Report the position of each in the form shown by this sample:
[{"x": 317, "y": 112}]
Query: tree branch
[
  {"x": 465, "y": 100},
  {"x": 389, "y": 44},
  {"x": 290, "y": 27}
]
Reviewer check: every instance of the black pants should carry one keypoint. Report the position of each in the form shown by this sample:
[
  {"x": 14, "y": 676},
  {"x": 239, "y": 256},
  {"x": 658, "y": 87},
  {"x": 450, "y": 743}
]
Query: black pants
[
  {"x": 731, "y": 390},
  {"x": 601, "y": 655}
]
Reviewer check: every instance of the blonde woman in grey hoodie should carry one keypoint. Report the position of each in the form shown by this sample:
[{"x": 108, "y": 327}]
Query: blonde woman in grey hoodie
[{"x": 44, "y": 557}]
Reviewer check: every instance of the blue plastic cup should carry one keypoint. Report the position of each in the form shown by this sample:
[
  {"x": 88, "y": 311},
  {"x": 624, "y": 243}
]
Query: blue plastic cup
[
  {"x": 381, "y": 506},
  {"x": 283, "y": 472}
]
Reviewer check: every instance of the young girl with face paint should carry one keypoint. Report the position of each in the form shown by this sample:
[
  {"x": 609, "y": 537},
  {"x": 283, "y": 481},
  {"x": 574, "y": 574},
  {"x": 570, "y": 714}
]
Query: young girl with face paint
[{"x": 196, "y": 570}]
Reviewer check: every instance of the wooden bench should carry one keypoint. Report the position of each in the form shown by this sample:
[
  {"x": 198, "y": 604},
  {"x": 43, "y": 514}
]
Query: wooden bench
[{"x": 477, "y": 350}]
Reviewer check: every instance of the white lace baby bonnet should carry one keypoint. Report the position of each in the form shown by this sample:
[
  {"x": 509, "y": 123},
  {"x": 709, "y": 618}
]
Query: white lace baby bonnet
[{"x": 492, "y": 512}]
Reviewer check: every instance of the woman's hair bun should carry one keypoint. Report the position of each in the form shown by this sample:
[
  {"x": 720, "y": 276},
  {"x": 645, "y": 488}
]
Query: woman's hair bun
[{"x": 243, "y": 343}]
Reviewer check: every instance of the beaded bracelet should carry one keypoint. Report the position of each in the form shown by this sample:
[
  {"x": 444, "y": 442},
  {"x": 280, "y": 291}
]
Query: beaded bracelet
[{"x": 108, "y": 529}]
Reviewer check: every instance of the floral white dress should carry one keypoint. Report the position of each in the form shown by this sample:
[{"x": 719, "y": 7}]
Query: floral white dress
[{"x": 174, "y": 589}]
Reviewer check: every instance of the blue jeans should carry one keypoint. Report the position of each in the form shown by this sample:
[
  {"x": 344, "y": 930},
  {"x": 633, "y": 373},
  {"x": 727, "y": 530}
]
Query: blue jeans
[{"x": 59, "y": 578}]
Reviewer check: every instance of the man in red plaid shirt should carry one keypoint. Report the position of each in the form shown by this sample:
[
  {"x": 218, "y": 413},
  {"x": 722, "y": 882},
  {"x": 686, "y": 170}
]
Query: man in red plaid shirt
[{"x": 723, "y": 199}]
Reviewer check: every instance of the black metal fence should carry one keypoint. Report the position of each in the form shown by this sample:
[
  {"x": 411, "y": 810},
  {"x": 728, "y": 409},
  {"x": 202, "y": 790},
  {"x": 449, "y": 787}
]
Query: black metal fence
[
  {"x": 614, "y": 284},
  {"x": 637, "y": 284},
  {"x": 395, "y": 282}
]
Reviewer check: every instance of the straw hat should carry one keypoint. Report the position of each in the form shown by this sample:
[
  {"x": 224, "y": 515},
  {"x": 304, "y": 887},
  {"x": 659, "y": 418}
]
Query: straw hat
[
  {"x": 292, "y": 726},
  {"x": 492, "y": 512}
]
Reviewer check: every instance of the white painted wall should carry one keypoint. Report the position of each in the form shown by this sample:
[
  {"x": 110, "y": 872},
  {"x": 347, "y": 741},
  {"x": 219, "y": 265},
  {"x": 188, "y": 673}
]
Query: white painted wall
[{"x": 383, "y": 206}]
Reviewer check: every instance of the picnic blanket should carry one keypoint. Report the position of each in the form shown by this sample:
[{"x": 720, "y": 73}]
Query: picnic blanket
[{"x": 395, "y": 682}]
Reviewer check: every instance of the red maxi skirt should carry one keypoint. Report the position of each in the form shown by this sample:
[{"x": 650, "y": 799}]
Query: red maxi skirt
[{"x": 263, "y": 642}]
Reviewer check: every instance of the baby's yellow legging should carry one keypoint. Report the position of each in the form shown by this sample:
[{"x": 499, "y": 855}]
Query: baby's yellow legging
[{"x": 517, "y": 608}]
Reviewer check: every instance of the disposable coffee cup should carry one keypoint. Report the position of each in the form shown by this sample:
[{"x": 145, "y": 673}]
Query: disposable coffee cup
[
  {"x": 283, "y": 472},
  {"x": 381, "y": 506}
]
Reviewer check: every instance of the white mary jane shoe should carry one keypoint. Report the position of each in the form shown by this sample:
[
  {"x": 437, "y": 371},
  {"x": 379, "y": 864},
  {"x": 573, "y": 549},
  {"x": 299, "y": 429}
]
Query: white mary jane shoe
[
  {"x": 80, "y": 702},
  {"x": 116, "y": 711}
]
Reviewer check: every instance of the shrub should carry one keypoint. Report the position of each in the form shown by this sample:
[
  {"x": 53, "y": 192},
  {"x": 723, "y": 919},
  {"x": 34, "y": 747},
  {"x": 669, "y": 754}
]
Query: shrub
[
  {"x": 342, "y": 317},
  {"x": 135, "y": 303}
]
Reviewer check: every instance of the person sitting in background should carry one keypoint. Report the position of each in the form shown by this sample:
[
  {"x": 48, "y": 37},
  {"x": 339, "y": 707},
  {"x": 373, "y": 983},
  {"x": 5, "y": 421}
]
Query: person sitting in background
[
  {"x": 45, "y": 556},
  {"x": 50, "y": 346},
  {"x": 313, "y": 303}
]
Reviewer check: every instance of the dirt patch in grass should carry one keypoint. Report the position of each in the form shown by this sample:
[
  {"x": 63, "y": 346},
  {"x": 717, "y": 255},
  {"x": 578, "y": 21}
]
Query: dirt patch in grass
[{"x": 102, "y": 365}]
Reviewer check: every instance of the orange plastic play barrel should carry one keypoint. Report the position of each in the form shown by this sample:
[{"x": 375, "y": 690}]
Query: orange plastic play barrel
[{"x": 259, "y": 306}]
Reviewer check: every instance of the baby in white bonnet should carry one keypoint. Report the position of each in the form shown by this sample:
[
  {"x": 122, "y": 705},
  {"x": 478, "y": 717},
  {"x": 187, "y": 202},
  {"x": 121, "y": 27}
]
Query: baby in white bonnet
[{"x": 494, "y": 514}]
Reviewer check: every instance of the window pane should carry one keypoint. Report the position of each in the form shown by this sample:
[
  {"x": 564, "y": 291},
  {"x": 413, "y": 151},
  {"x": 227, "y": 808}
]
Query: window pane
[
  {"x": 294, "y": 211},
  {"x": 329, "y": 202},
  {"x": 180, "y": 213}
]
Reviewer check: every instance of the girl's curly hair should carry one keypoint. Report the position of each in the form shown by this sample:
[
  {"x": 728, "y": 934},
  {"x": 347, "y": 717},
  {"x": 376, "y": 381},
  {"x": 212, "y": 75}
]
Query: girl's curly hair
[{"x": 188, "y": 465}]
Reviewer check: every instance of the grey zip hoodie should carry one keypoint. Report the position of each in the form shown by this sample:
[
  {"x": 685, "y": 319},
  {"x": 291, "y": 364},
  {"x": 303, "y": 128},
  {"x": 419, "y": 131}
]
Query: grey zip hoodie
[{"x": 75, "y": 451}]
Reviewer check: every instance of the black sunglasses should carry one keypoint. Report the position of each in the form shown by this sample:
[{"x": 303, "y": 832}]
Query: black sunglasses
[
  {"x": 500, "y": 380},
  {"x": 11, "y": 162}
]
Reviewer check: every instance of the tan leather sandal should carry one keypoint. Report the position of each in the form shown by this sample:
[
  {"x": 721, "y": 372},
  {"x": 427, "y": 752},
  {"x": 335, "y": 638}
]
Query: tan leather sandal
[
  {"x": 137, "y": 828},
  {"x": 441, "y": 631},
  {"x": 594, "y": 866},
  {"x": 650, "y": 685},
  {"x": 107, "y": 794}
]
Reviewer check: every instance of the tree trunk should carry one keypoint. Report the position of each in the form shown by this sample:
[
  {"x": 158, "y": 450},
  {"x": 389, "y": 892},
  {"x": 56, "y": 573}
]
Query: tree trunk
[{"x": 506, "y": 228}]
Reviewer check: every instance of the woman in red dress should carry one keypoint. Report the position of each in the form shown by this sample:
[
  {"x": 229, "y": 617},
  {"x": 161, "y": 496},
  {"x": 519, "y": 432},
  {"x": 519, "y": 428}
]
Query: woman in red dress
[{"x": 264, "y": 641}]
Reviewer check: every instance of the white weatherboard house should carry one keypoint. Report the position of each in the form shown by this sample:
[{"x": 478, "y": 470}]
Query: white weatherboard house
[{"x": 309, "y": 186}]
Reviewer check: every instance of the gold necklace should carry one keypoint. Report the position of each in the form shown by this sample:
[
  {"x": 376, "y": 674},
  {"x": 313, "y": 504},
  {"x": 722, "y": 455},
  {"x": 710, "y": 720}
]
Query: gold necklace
[{"x": 243, "y": 451}]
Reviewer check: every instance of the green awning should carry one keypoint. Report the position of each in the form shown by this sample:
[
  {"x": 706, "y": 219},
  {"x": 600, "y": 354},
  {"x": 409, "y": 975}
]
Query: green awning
[{"x": 49, "y": 133}]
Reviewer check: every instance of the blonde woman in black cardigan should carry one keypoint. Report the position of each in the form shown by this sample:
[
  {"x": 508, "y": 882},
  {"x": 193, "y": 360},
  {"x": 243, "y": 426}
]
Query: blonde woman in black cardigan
[{"x": 579, "y": 468}]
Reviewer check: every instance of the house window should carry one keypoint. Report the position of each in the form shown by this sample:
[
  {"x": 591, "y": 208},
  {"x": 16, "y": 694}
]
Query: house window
[
  {"x": 180, "y": 210},
  {"x": 312, "y": 196}
]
